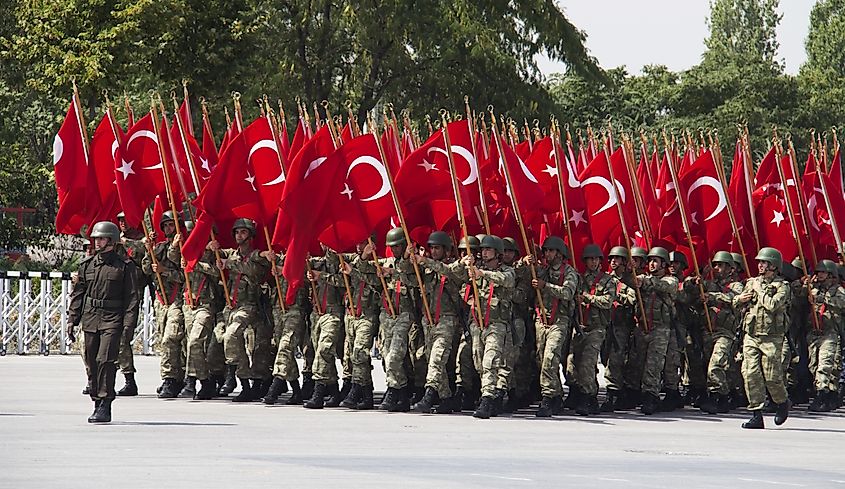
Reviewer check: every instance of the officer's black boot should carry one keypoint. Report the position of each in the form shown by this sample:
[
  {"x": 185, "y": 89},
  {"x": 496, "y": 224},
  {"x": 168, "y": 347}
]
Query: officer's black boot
[
  {"x": 190, "y": 388},
  {"x": 295, "y": 394},
  {"x": 275, "y": 391},
  {"x": 429, "y": 399},
  {"x": 485, "y": 408},
  {"x": 545, "y": 410},
  {"x": 103, "y": 413},
  {"x": 723, "y": 404},
  {"x": 208, "y": 389},
  {"x": 572, "y": 398},
  {"x": 402, "y": 402},
  {"x": 366, "y": 402},
  {"x": 609, "y": 404},
  {"x": 319, "y": 392},
  {"x": 307, "y": 385},
  {"x": 353, "y": 397},
  {"x": 387, "y": 400},
  {"x": 130, "y": 388},
  {"x": 756, "y": 421},
  {"x": 168, "y": 389},
  {"x": 650, "y": 403},
  {"x": 708, "y": 404},
  {"x": 246, "y": 394},
  {"x": 229, "y": 382},
  {"x": 334, "y": 394},
  {"x": 672, "y": 401},
  {"x": 781, "y": 412},
  {"x": 94, "y": 412}
]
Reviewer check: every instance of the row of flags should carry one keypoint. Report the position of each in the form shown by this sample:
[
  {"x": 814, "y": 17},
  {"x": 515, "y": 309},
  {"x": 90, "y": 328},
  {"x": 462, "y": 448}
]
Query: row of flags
[{"x": 337, "y": 187}]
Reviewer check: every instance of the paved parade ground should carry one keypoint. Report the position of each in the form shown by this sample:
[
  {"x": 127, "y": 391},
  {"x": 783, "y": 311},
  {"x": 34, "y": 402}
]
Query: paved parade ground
[{"x": 46, "y": 442}]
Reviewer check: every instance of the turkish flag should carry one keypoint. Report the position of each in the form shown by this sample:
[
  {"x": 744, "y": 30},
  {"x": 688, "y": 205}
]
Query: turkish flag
[
  {"x": 201, "y": 164},
  {"x": 527, "y": 193},
  {"x": 139, "y": 170},
  {"x": 104, "y": 146},
  {"x": 300, "y": 137},
  {"x": 209, "y": 147},
  {"x": 602, "y": 198},
  {"x": 230, "y": 192},
  {"x": 230, "y": 134},
  {"x": 835, "y": 174},
  {"x": 773, "y": 225},
  {"x": 184, "y": 115},
  {"x": 706, "y": 203},
  {"x": 739, "y": 198},
  {"x": 195, "y": 244},
  {"x": 360, "y": 198},
  {"x": 767, "y": 172},
  {"x": 75, "y": 178},
  {"x": 523, "y": 149},
  {"x": 647, "y": 187},
  {"x": 264, "y": 163}
]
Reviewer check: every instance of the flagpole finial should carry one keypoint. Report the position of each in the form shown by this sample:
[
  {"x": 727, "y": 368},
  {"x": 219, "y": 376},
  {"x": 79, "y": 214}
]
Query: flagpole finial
[{"x": 236, "y": 95}]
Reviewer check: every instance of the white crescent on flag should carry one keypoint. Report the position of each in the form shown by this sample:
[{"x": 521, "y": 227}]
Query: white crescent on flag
[
  {"x": 377, "y": 166},
  {"x": 707, "y": 181}
]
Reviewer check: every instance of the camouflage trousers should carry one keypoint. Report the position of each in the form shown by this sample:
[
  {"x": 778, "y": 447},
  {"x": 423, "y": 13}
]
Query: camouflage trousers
[
  {"x": 126, "y": 357},
  {"x": 648, "y": 357},
  {"x": 439, "y": 341},
  {"x": 290, "y": 329},
  {"x": 260, "y": 347},
  {"x": 551, "y": 340},
  {"x": 617, "y": 374},
  {"x": 238, "y": 321},
  {"x": 824, "y": 351},
  {"x": 199, "y": 324},
  {"x": 674, "y": 355},
  {"x": 514, "y": 348},
  {"x": 717, "y": 349},
  {"x": 585, "y": 357},
  {"x": 466, "y": 375},
  {"x": 417, "y": 353},
  {"x": 360, "y": 334},
  {"x": 394, "y": 347},
  {"x": 488, "y": 355},
  {"x": 762, "y": 369},
  {"x": 325, "y": 337},
  {"x": 214, "y": 355},
  {"x": 697, "y": 359},
  {"x": 170, "y": 324}
]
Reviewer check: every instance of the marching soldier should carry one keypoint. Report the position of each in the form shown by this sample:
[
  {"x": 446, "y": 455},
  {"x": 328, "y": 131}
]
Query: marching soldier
[
  {"x": 168, "y": 307},
  {"x": 522, "y": 357},
  {"x": 765, "y": 298},
  {"x": 105, "y": 300},
  {"x": 467, "y": 378},
  {"x": 558, "y": 284},
  {"x": 621, "y": 392},
  {"x": 658, "y": 289},
  {"x": 684, "y": 322}
]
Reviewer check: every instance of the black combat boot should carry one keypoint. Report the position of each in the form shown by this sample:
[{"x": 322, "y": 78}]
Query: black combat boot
[
  {"x": 366, "y": 402},
  {"x": 316, "y": 400},
  {"x": 545, "y": 410},
  {"x": 307, "y": 385},
  {"x": 609, "y": 404},
  {"x": 583, "y": 406},
  {"x": 190, "y": 388},
  {"x": 630, "y": 399},
  {"x": 557, "y": 405},
  {"x": 208, "y": 389},
  {"x": 402, "y": 403},
  {"x": 833, "y": 401},
  {"x": 94, "y": 412},
  {"x": 695, "y": 395},
  {"x": 485, "y": 408},
  {"x": 650, "y": 403},
  {"x": 708, "y": 404},
  {"x": 672, "y": 401},
  {"x": 593, "y": 404},
  {"x": 781, "y": 412},
  {"x": 415, "y": 394},
  {"x": 738, "y": 399},
  {"x": 756, "y": 421},
  {"x": 296, "y": 394},
  {"x": 87, "y": 390},
  {"x": 130, "y": 388},
  {"x": 103, "y": 413},
  {"x": 262, "y": 387},
  {"x": 275, "y": 391},
  {"x": 229, "y": 383},
  {"x": 334, "y": 394},
  {"x": 168, "y": 389},
  {"x": 246, "y": 394},
  {"x": 161, "y": 387},
  {"x": 219, "y": 380},
  {"x": 769, "y": 406},
  {"x": 353, "y": 397},
  {"x": 819, "y": 403},
  {"x": 429, "y": 399},
  {"x": 447, "y": 406},
  {"x": 178, "y": 385},
  {"x": 387, "y": 400},
  {"x": 513, "y": 402},
  {"x": 498, "y": 402},
  {"x": 572, "y": 397},
  {"x": 723, "y": 403},
  {"x": 344, "y": 391}
]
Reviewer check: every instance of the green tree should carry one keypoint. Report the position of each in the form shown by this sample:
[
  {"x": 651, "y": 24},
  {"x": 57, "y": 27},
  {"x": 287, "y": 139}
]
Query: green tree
[{"x": 822, "y": 77}]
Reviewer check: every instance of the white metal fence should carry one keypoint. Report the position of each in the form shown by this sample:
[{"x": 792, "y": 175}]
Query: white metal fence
[{"x": 33, "y": 315}]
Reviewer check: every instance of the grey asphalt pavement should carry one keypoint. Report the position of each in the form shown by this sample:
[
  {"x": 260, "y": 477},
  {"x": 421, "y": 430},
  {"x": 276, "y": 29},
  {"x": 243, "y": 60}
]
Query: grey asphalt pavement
[{"x": 46, "y": 442}]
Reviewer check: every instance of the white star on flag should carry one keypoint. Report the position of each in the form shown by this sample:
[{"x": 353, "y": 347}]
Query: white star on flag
[
  {"x": 577, "y": 217},
  {"x": 347, "y": 191},
  {"x": 778, "y": 218},
  {"x": 428, "y": 166},
  {"x": 251, "y": 179},
  {"x": 552, "y": 171},
  {"x": 126, "y": 168}
]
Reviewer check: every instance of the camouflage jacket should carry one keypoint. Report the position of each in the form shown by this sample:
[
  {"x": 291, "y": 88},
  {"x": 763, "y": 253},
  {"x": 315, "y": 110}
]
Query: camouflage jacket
[
  {"x": 402, "y": 286},
  {"x": 829, "y": 299},
  {"x": 443, "y": 285},
  {"x": 562, "y": 283},
  {"x": 246, "y": 274},
  {"x": 720, "y": 295},
  {"x": 599, "y": 295},
  {"x": 495, "y": 293},
  {"x": 331, "y": 291},
  {"x": 170, "y": 272},
  {"x": 658, "y": 299},
  {"x": 767, "y": 311},
  {"x": 204, "y": 277}
]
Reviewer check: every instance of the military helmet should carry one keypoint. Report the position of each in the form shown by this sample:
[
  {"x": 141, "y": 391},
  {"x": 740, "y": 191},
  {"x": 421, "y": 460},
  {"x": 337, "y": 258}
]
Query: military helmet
[
  {"x": 679, "y": 257},
  {"x": 827, "y": 266},
  {"x": 494, "y": 242},
  {"x": 740, "y": 263},
  {"x": 395, "y": 237},
  {"x": 659, "y": 252},
  {"x": 724, "y": 257},
  {"x": 510, "y": 244},
  {"x": 243, "y": 223},
  {"x": 106, "y": 229},
  {"x": 473, "y": 243},
  {"x": 619, "y": 251},
  {"x": 639, "y": 252},
  {"x": 772, "y": 256},
  {"x": 439, "y": 238},
  {"x": 480, "y": 236},
  {"x": 166, "y": 216},
  {"x": 592, "y": 250},
  {"x": 189, "y": 226},
  {"x": 556, "y": 243},
  {"x": 121, "y": 215}
]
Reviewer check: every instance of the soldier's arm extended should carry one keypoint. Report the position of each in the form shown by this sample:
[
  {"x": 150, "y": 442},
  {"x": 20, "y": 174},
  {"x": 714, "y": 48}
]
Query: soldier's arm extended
[
  {"x": 566, "y": 291},
  {"x": 775, "y": 297},
  {"x": 174, "y": 253},
  {"x": 77, "y": 296},
  {"x": 131, "y": 297},
  {"x": 666, "y": 285},
  {"x": 455, "y": 271},
  {"x": 605, "y": 300},
  {"x": 207, "y": 267},
  {"x": 502, "y": 278},
  {"x": 724, "y": 298}
]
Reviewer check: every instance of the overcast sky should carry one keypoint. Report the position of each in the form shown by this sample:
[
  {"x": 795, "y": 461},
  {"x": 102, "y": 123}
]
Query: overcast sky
[{"x": 668, "y": 32}]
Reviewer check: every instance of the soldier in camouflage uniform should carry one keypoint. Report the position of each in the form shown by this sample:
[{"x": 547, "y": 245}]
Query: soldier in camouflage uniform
[
  {"x": 247, "y": 269},
  {"x": 596, "y": 297},
  {"x": 200, "y": 311},
  {"x": 523, "y": 355},
  {"x": 685, "y": 324},
  {"x": 823, "y": 341},
  {"x": 466, "y": 377},
  {"x": 133, "y": 244},
  {"x": 558, "y": 283},
  {"x": 327, "y": 322},
  {"x": 658, "y": 289},
  {"x": 764, "y": 299},
  {"x": 718, "y": 343},
  {"x": 616, "y": 372},
  {"x": 168, "y": 308}
]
